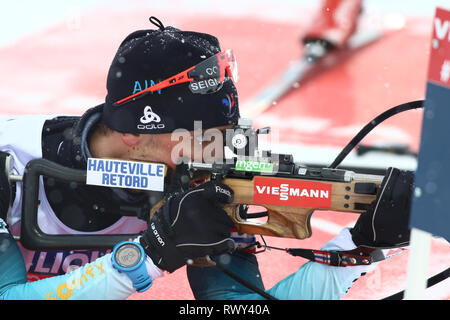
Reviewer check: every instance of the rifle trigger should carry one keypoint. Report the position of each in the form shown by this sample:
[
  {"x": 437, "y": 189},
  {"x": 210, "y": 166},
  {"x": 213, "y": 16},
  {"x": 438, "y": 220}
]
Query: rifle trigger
[{"x": 202, "y": 262}]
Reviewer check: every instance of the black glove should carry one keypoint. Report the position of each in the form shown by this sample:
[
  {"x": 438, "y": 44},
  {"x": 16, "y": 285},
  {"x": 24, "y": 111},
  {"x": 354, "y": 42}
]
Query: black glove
[
  {"x": 190, "y": 225},
  {"x": 386, "y": 223}
]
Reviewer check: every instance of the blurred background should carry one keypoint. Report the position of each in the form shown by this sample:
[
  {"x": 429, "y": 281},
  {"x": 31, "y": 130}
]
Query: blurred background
[{"x": 55, "y": 55}]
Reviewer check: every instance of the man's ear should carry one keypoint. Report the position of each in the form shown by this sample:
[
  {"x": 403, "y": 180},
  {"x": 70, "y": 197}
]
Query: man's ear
[{"x": 130, "y": 139}]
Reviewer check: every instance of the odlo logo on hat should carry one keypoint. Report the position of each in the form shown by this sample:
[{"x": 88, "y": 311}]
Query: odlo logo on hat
[{"x": 147, "y": 119}]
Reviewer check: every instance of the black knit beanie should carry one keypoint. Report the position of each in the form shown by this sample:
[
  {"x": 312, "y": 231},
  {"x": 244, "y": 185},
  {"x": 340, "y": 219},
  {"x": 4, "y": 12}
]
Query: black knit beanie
[{"x": 147, "y": 57}]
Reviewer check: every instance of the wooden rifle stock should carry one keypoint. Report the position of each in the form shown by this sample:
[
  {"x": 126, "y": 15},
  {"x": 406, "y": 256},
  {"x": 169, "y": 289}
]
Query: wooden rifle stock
[{"x": 292, "y": 221}]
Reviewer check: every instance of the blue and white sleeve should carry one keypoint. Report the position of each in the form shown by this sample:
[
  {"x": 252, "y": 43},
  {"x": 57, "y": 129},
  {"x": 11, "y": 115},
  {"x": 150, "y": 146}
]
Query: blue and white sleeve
[
  {"x": 96, "y": 280},
  {"x": 316, "y": 281}
]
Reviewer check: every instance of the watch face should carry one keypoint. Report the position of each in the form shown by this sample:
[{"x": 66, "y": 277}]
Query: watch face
[{"x": 128, "y": 255}]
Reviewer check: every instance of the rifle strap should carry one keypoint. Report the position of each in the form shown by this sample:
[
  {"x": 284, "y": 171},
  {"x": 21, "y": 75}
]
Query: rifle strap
[{"x": 355, "y": 257}]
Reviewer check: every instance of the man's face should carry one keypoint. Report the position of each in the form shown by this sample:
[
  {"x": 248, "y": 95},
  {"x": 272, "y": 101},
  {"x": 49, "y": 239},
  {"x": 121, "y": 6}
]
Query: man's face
[{"x": 169, "y": 148}]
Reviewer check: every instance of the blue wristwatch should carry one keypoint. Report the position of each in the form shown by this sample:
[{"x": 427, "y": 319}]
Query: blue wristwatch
[{"x": 129, "y": 257}]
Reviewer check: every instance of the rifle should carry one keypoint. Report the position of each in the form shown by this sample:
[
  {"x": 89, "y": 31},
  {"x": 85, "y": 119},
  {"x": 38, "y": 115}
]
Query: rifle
[{"x": 289, "y": 192}]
